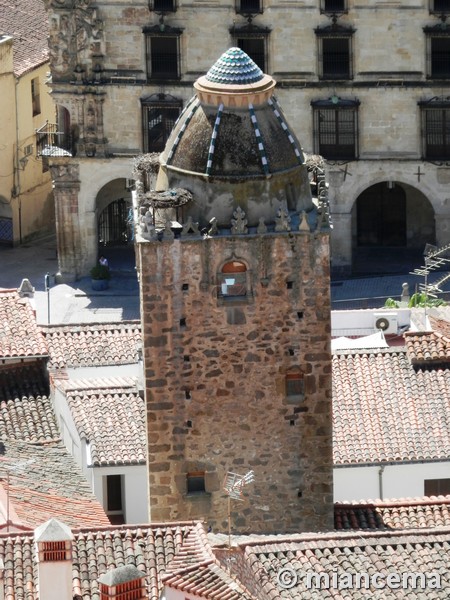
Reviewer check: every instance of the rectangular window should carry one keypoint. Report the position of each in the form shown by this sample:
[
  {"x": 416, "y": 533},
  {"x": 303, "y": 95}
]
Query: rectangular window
[
  {"x": 255, "y": 47},
  {"x": 163, "y": 57},
  {"x": 440, "y": 56},
  {"x": 158, "y": 121},
  {"x": 114, "y": 498},
  {"x": 335, "y": 53},
  {"x": 336, "y": 133},
  {"x": 437, "y": 487},
  {"x": 333, "y": 5},
  {"x": 294, "y": 385},
  {"x": 163, "y": 5},
  {"x": 440, "y": 6},
  {"x": 436, "y": 133},
  {"x": 249, "y": 6},
  {"x": 35, "y": 96},
  {"x": 195, "y": 482}
]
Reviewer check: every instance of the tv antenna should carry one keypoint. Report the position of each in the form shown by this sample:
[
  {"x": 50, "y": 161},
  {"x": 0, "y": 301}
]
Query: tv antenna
[{"x": 233, "y": 485}]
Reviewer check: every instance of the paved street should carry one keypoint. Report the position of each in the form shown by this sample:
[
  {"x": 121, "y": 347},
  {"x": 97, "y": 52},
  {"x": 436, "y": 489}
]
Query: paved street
[{"x": 78, "y": 303}]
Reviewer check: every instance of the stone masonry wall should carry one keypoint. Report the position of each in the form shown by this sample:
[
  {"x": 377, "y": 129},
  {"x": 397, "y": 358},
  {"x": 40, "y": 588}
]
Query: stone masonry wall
[{"x": 215, "y": 380}]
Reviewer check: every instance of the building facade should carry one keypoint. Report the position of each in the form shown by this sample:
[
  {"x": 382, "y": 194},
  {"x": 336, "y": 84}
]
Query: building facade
[
  {"x": 26, "y": 199},
  {"x": 364, "y": 84}
]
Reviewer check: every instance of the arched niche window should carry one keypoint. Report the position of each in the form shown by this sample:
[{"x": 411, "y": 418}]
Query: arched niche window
[{"x": 233, "y": 280}]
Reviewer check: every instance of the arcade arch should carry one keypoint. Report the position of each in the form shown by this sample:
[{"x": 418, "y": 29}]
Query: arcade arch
[{"x": 391, "y": 224}]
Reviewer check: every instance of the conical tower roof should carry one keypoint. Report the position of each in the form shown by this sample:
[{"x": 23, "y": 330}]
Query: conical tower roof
[{"x": 234, "y": 67}]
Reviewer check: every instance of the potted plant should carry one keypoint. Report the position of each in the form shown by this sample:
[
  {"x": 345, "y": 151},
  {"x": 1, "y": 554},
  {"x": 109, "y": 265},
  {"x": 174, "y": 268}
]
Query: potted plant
[{"x": 100, "y": 277}]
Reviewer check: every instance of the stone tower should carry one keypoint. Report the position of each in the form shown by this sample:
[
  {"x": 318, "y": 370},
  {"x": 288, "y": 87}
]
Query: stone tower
[{"x": 233, "y": 255}]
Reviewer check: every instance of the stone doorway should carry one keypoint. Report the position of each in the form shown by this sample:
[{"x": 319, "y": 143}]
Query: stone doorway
[
  {"x": 381, "y": 216},
  {"x": 391, "y": 224}
]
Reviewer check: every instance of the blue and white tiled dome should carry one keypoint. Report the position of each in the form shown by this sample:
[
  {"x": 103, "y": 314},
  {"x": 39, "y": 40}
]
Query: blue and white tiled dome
[{"x": 234, "y": 67}]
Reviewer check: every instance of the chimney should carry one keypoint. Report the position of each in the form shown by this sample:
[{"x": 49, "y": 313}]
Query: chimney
[
  {"x": 53, "y": 542},
  {"x": 123, "y": 583}
]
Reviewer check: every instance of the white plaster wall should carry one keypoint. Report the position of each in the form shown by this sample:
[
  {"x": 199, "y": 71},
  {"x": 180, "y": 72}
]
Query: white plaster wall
[
  {"x": 399, "y": 481},
  {"x": 171, "y": 594},
  {"x": 131, "y": 370},
  {"x": 69, "y": 432},
  {"x": 135, "y": 490},
  {"x": 55, "y": 580}
]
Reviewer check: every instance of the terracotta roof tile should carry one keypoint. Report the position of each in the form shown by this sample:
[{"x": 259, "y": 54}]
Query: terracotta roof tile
[
  {"x": 385, "y": 410},
  {"x": 20, "y": 337},
  {"x": 427, "y": 348},
  {"x": 27, "y": 22},
  {"x": 101, "y": 409},
  {"x": 26, "y": 411},
  {"x": 93, "y": 345},
  {"x": 44, "y": 481},
  {"x": 393, "y": 514},
  {"x": 196, "y": 570},
  {"x": 414, "y": 551},
  {"x": 150, "y": 548}
]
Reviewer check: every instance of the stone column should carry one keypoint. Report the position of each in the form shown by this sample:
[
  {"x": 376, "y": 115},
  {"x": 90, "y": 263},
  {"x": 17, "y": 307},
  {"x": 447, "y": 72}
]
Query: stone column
[
  {"x": 66, "y": 186},
  {"x": 442, "y": 230},
  {"x": 341, "y": 243}
]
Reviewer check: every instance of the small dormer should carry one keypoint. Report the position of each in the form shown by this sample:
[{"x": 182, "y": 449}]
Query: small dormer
[
  {"x": 123, "y": 583},
  {"x": 53, "y": 542}
]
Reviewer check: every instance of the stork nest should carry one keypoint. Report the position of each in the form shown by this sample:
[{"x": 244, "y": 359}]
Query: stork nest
[
  {"x": 313, "y": 161},
  {"x": 171, "y": 198},
  {"x": 148, "y": 163}
]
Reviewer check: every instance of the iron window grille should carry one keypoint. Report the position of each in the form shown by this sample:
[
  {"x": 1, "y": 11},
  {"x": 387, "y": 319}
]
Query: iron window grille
[
  {"x": 435, "y": 129},
  {"x": 159, "y": 114},
  {"x": 252, "y": 39},
  {"x": 440, "y": 7},
  {"x": 438, "y": 51},
  {"x": 163, "y": 52},
  {"x": 162, "y": 5},
  {"x": 333, "y": 6},
  {"x": 336, "y": 128},
  {"x": 335, "y": 52},
  {"x": 252, "y": 7}
]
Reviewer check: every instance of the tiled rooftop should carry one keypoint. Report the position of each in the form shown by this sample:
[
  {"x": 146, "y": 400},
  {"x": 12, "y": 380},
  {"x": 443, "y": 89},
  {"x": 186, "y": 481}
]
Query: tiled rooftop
[
  {"x": 20, "y": 337},
  {"x": 417, "y": 551},
  {"x": 150, "y": 548},
  {"x": 196, "y": 570},
  {"x": 393, "y": 514},
  {"x": 26, "y": 411},
  {"x": 45, "y": 482},
  {"x": 385, "y": 410},
  {"x": 110, "y": 414},
  {"x": 427, "y": 348},
  {"x": 93, "y": 345},
  {"x": 26, "y": 21}
]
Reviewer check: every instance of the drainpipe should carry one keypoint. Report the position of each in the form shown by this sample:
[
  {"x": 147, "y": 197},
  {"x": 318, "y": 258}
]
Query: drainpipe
[
  {"x": 16, "y": 177},
  {"x": 380, "y": 481}
]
